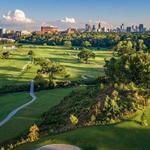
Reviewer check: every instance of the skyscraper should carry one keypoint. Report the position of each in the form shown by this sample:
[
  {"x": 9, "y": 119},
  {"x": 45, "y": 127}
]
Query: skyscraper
[
  {"x": 99, "y": 27},
  {"x": 94, "y": 28},
  {"x": 88, "y": 28},
  {"x": 141, "y": 28}
]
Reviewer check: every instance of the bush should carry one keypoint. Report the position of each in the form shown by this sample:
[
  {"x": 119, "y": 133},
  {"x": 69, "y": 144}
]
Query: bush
[
  {"x": 33, "y": 133},
  {"x": 14, "y": 88}
]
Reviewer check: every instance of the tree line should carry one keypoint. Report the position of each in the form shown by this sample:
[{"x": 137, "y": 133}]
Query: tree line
[{"x": 98, "y": 40}]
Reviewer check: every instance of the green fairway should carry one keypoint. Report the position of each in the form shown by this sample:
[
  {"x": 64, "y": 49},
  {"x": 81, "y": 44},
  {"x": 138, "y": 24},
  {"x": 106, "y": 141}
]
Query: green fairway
[
  {"x": 10, "y": 70},
  {"x": 127, "y": 135},
  {"x": 11, "y": 101},
  {"x": 26, "y": 117}
]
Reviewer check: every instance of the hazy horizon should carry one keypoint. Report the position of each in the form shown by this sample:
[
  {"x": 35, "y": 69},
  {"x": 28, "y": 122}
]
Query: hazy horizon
[{"x": 31, "y": 14}]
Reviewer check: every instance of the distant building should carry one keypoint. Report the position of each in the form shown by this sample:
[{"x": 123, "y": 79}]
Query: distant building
[
  {"x": 129, "y": 29},
  {"x": 94, "y": 28},
  {"x": 99, "y": 27},
  {"x": 136, "y": 29},
  {"x": 49, "y": 29},
  {"x": 24, "y": 32},
  {"x": 88, "y": 28},
  {"x": 2, "y": 31},
  {"x": 9, "y": 48},
  {"x": 70, "y": 31},
  {"x": 122, "y": 28},
  {"x": 141, "y": 28}
]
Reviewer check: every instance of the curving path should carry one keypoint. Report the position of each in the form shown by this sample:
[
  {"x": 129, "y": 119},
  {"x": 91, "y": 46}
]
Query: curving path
[
  {"x": 59, "y": 147},
  {"x": 11, "y": 114}
]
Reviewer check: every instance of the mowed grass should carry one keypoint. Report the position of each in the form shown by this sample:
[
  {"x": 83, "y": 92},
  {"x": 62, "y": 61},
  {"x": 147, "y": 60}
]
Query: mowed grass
[
  {"x": 74, "y": 68},
  {"x": 10, "y": 69},
  {"x": 26, "y": 117},
  {"x": 127, "y": 135},
  {"x": 11, "y": 101}
]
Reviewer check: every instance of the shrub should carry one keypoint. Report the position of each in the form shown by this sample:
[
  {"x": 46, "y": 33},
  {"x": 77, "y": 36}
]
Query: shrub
[
  {"x": 33, "y": 133},
  {"x": 73, "y": 119}
]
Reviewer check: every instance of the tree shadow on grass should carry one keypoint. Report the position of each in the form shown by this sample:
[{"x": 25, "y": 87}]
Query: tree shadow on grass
[
  {"x": 110, "y": 137},
  {"x": 9, "y": 68},
  {"x": 9, "y": 79}
]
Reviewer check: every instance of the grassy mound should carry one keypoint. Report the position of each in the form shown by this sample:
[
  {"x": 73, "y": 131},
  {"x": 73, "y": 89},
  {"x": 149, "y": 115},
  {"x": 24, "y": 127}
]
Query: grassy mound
[{"x": 94, "y": 105}]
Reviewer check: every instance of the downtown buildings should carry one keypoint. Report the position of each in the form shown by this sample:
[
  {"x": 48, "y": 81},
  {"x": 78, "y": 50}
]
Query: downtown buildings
[{"x": 132, "y": 29}]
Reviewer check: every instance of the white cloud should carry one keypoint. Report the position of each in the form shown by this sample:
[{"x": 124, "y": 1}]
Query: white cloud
[
  {"x": 17, "y": 16},
  {"x": 18, "y": 20},
  {"x": 68, "y": 20}
]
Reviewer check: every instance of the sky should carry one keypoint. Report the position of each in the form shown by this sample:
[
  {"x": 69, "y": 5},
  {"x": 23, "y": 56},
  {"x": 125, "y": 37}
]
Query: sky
[{"x": 59, "y": 12}]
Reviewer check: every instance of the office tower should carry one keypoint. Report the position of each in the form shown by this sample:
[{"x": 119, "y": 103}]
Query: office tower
[
  {"x": 88, "y": 28},
  {"x": 99, "y": 27},
  {"x": 141, "y": 28},
  {"x": 94, "y": 28},
  {"x": 129, "y": 29}
]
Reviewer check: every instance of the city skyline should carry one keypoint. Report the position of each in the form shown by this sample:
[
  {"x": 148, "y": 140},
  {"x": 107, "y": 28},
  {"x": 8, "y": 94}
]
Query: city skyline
[{"x": 75, "y": 13}]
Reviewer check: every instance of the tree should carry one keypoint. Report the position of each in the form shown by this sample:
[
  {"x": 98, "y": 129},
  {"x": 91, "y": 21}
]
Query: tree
[
  {"x": 85, "y": 55},
  {"x": 50, "y": 68},
  {"x": 140, "y": 46},
  {"x": 54, "y": 70},
  {"x": 2, "y": 148},
  {"x": 68, "y": 44},
  {"x": 86, "y": 44},
  {"x": 74, "y": 120},
  {"x": 33, "y": 133},
  {"x": 124, "y": 47},
  {"x": 129, "y": 68},
  {"x": 31, "y": 54},
  {"x": 5, "y": 55},
  {"x": 40, "y": 81}
]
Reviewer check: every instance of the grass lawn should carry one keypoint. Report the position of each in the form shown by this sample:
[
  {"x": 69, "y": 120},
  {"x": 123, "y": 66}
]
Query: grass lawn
[
  {"x": 11, "y": 101},
  {"x": 26, "y": 117},
  {"x": 10, "y": 69},
  {"x": 127, "y": 135}
]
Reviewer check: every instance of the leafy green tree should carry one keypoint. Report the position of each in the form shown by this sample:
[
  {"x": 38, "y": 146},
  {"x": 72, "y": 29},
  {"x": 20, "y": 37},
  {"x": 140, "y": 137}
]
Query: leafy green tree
[
  {"x": 124, "y": 47},
  {"x": 55, "y": 70},
  {"x": 68, "y": 44},
  {"x": 5, "y": 55},
  {"x": 85, "y": 55},
  {"x": 2, "y": 148},
  {"x": 50, "y": 68},
  {"x": 86, "y": 44},
  {"x": 140, "y": 46},
  {"x": 31, "y": 55},
  {"x": 129, "y": 68}
]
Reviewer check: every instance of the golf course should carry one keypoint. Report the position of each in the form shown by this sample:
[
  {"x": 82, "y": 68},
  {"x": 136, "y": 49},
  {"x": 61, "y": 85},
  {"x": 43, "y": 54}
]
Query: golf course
[{"x": 20, "y": 70}]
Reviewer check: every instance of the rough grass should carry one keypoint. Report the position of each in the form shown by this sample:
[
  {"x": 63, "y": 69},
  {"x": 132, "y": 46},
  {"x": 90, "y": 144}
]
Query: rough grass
[{"x": 127, "y": 135}]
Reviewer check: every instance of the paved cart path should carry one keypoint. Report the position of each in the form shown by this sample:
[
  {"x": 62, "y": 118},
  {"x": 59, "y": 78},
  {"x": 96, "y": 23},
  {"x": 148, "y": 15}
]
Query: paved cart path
[{"x": 11, "y": 114}]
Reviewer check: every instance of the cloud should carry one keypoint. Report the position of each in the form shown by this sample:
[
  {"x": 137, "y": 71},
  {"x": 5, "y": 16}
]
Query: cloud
[
  {"x": 17, "y": 16},
  {"x": 68, "y": 20},
  {"x": 17, "y": 20}
]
